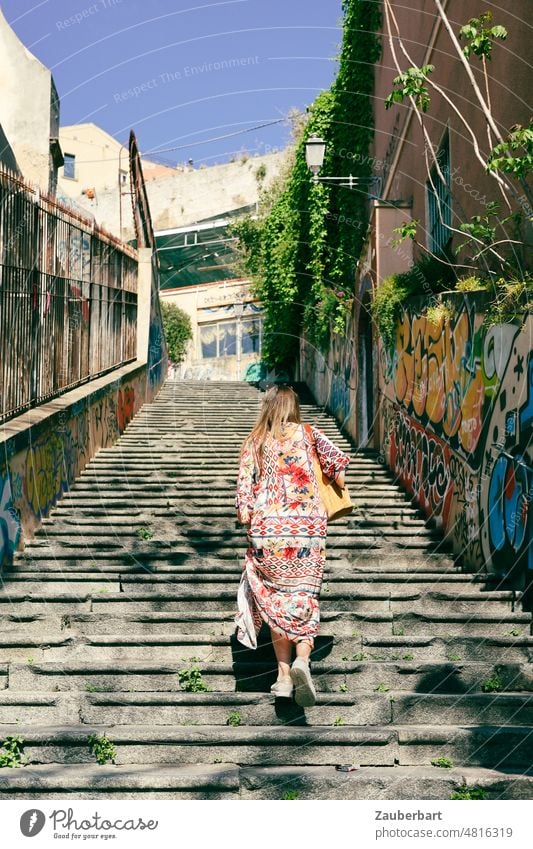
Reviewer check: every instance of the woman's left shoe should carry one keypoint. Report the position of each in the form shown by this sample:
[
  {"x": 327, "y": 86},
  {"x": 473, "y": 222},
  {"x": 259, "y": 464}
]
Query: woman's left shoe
[
  {"x": 282, "y": 689},
  {"x": 305, "y": 693}
]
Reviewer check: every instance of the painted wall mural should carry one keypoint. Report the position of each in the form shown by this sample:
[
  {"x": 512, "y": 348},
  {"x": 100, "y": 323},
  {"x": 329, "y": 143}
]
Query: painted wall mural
[{"x": 456, "y": 424}]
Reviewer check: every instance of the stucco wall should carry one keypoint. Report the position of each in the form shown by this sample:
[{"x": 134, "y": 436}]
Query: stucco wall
[
  {"x": 26, "y": 95},
  {"x": 456, "y": 419}
]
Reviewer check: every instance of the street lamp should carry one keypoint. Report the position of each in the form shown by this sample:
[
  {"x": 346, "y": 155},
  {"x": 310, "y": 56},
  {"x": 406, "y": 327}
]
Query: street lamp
[{"x": 315, "y": 149}]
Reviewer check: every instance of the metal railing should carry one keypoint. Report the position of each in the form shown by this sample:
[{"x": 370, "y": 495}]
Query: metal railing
[{"x": 68, "y": 298}]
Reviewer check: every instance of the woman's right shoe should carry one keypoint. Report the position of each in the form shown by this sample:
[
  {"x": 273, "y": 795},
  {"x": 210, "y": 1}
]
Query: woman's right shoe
[
  {"x": 304, "y": 689},
  {"x": 282, "y": 689}
]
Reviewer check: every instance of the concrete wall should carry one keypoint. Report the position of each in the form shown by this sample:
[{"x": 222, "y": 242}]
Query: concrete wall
[
  {"x": 28, "y": 107},
  {"x": 44, "y": 450},
  {"x": 456, "y": 419}
]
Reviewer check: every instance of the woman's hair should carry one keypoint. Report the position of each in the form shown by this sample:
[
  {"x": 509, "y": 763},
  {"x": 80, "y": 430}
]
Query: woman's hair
[{"x": 280, "y": 405}]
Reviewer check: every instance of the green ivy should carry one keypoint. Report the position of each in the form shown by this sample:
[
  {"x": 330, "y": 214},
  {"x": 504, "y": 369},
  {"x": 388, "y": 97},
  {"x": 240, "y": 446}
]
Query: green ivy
[{"x": 302, "y": 249}]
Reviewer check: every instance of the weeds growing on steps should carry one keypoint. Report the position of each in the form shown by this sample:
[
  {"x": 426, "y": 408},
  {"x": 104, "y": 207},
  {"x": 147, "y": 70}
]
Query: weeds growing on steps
[
  {"x": 465, "y": 792},
  {"x": 102, "y": 748},
  {"x": 191, "y": 681},
  {"x": 492, "y": 685},
  {"x": 444, "y": 763},
  {"x": 234, "y": 718},
  {"x": 12, "y": 752},
  {"x": 144, "y": 533}
]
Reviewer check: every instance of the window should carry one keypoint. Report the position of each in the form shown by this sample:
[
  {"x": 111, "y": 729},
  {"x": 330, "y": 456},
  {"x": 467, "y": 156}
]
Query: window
[
  {"x": 69, "y": 166},
  {"x": 439, "y": 201},
  {"x": 251, "y": 332},
  {"x": 123, "y": 178},
  {"x": 218, "y": 340}
]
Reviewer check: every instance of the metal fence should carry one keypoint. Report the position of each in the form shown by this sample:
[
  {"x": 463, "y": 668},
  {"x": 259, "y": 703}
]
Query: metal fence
[{"x": 68, "y": 298}]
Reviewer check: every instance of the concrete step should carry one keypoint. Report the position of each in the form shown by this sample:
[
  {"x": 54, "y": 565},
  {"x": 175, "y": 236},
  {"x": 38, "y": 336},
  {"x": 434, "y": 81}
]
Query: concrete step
[
  {"x": 412, "y": 670},
  {"x": 41, "y": 624},
  {"x": 230, "y": 781},
  {"x": 238, "y": 709},
  {"x": 487, "y": 746}
]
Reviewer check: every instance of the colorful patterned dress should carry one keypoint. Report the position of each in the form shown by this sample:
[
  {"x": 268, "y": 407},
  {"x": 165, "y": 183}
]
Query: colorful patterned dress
[{"x": 284, "y": 563}]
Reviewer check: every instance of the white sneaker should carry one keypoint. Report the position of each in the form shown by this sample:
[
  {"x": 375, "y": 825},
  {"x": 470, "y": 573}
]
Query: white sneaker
[
  {"x": 304, "y": 689},
  {"x": 282, "y": 689}
]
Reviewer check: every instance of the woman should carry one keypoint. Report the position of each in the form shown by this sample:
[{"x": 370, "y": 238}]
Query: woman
[{"x": 279, "y": 502}]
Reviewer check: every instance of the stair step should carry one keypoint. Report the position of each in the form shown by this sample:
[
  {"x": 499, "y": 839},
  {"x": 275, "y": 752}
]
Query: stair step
[{"x": 488, "y": 746}]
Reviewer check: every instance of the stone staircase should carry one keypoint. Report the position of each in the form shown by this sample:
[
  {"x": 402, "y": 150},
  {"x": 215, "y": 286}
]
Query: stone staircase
[{"x": 117, "y": 621}]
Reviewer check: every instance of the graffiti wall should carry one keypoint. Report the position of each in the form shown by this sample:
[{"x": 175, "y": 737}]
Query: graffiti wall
[{"x": 456, "y": 425}]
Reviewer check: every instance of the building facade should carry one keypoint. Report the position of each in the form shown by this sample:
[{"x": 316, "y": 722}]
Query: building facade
[{"x": 29, "y": 113}]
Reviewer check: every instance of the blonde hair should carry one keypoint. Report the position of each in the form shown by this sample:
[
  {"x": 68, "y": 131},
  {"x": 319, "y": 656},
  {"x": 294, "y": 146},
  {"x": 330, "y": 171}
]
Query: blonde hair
[{"x": 280, "y": 405}]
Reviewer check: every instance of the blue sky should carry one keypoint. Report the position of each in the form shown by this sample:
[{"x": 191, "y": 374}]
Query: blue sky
[{"x": 183, "y": 71}]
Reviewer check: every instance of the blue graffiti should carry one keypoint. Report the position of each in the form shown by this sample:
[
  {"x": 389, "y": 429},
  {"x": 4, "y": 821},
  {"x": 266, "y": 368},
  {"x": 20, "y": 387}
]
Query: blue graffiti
[{"x": 9, "y": 522}]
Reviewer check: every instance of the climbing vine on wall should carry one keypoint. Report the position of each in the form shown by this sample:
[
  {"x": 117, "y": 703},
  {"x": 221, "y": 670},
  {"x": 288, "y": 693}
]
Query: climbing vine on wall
[{"x": 302, "y": 248}]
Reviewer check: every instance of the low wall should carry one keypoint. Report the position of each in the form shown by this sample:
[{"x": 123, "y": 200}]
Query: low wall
[
  {"x": 43, "y": 451},
  {"x": 456, "y": 422}
]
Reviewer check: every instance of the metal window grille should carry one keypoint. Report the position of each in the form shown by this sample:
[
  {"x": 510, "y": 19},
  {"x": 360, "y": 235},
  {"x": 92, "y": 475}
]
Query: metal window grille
[
  {"x": 68, "y": 299},
  {"x": 439, "y": 201}
]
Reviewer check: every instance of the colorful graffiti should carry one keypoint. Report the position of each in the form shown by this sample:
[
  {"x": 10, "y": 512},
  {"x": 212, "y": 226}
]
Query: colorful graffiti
[
  {"x": 438, "y": 377},
  {"x": 421, "y": 461},
  {"x": 9, "y": 521},
  {"x": 45, "y": 473},
  {"x": 457, "y": 423},
  {"x": 125, "y": 406}
]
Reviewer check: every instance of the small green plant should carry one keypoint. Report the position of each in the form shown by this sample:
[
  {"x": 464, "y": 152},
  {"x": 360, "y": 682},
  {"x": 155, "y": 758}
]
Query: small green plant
[
  {"x": 454, "y": 658},
  {"x": 30, "y": 660},
  {"x": 444, "y": 763},
  {"x": 217, "y": 760},
  {"x": 260, "y": 173},
  {"x": 382, "y": 688},
  {"x": 338, "y": 721},
  {"x": 359, "y": 656},
  {"x": 355, "y": 633},
  {"x": 438, "y": 313},
  {"x": 290, "y": 795},
  {"x": 234, "y": 718},
  {"x": 144, "y": 533},
  {"x": 398, "y": 631},
  {"x": 94, "y": 688},
  {"x": 492, "y": 685},
  {"x": 515, "y": 632},
  {"x": 343, "y": 688},
  {"x": 408, "y": 657},
  {"x": 191, "y": 681},
  {"x": 102, "y": 748},
  {"x": 465, "y": 792},
  {"x": 12, "y": 752},
  {"x": 345, "y": 657}
]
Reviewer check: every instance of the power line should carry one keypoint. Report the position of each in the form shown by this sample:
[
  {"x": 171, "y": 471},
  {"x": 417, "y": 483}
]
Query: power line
[{"x": 181, "y": 147}]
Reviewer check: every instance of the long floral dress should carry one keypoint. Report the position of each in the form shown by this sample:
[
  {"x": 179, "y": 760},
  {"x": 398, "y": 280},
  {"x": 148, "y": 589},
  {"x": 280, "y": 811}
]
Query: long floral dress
[{"x": 284, "y": 563}]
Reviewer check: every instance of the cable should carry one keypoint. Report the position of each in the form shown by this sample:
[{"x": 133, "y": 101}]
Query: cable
[{"x": 191, "y": 144}]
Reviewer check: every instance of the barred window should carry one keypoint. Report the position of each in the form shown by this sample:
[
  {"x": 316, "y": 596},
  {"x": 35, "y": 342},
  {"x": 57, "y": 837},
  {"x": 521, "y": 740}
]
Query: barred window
[{"x": 439, "y": 200}]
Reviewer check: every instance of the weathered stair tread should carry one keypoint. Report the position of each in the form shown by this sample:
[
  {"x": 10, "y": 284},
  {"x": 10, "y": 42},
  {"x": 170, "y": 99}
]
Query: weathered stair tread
[
  {"x": 71, "y": 777},
  {"x": 274, "y": 782}
]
